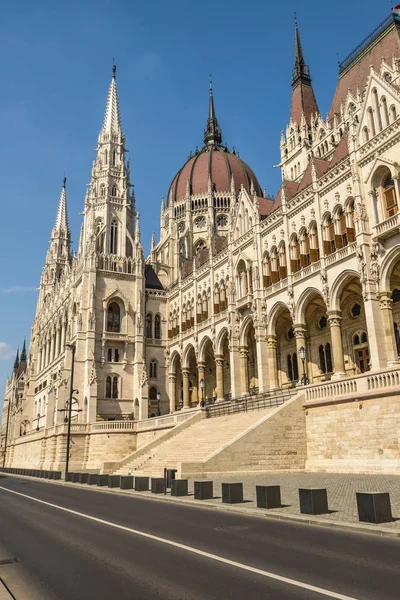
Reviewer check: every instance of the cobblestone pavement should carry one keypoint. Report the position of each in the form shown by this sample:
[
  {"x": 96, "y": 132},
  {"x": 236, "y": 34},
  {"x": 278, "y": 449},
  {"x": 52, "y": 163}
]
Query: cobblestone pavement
[{"x": 341, "y": 490}]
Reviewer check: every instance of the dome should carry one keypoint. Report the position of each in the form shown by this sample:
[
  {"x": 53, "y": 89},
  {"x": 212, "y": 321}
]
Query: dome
[
  {"x": 214, "y": 162},
  {"x": 217, "y": 164}
]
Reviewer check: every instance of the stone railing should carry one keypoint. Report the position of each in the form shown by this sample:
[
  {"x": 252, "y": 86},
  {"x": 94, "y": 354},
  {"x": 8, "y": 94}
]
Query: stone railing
[
  {"x": 384, "y": 228},
  {"x": 113, "y": 426},
  {"x": 165, "y": 420},
  {"x": 341, "y": 254},
  {"x": 358, "y": 384}
]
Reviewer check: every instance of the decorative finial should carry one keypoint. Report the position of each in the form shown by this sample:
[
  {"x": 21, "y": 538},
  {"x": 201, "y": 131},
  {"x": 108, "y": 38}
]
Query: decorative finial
[
  {"x": 64, "y": 181},
  {"x": 210, "y": 83},
  {"x": 114, "y": 69},
  {"x": 295, "y": 19}
]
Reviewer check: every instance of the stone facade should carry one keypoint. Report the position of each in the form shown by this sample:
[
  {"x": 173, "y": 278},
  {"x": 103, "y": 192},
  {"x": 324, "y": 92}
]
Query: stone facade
[{"x": 244, "y": 294}]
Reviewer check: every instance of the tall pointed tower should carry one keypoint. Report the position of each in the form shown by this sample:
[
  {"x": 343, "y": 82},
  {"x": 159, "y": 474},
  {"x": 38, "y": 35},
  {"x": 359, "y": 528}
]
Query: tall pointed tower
[
  {"x": 296, "y": 144},
  {"x": 110, "y": 209},
  {"x": 58, "y": 255},
  {"x": 110, "y": 355}
]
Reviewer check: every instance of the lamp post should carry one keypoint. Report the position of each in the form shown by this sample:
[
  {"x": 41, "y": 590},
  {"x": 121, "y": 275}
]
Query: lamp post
[
  {"x": 304, "y": 378},
  {"x": 7, "y": 426},
  {"x": 158, "y": 404},
  {"x": 72, "y": 347},
  {"x": 202, "y": 386}
]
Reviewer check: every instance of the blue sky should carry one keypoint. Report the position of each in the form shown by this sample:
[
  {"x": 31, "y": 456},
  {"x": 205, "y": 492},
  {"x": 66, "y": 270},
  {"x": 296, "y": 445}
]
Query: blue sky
[{"x": 55, "y": 60}]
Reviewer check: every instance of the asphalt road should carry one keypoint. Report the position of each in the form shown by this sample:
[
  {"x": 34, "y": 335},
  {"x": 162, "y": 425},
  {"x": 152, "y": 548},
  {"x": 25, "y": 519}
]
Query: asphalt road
[{"x": 71, "y": 556}]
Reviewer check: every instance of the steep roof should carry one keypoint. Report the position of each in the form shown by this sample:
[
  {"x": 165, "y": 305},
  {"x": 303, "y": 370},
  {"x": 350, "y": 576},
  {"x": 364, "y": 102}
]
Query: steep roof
[
  {"x": 151, "y": 279},
  {"x": 303, "y": 97},
  {"x": 381, "y": 44}
]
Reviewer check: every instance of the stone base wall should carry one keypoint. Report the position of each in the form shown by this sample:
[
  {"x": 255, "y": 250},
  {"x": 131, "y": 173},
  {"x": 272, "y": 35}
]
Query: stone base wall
[
  {"x": 277, "y": 443},
  {"x": 361, "y": 436},
  {"x": 109, "y": 446}
]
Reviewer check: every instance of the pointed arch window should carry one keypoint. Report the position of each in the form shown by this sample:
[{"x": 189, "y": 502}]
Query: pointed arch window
[
  {"x": 102, "y": 190},
  {"x": 108, "y": 387},
  {"x": 153, "y": 369},
  {"x": 305, "y": 256},
  {"x": 114, "y": 237},
  {"x": 157, "y": 327},
  {"x": 149, "y": 326},
  {"x": 106, "y": 157},
  {"x": 114, "y": 158},
  {"x": 114, "y": 317},
  {"x": 114, "y": 191},
  {"x": 390, "y": 199},
  {"x": 115, "y": 387},
  {"x": 294, "y": 255}
]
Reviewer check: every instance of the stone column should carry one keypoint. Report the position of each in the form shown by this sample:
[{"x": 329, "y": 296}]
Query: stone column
[
  {"x": 219, "y": 364},
  {"x": 262, "y": 361},
  {"x": 185, "y": 379},
  {"x": 52, "y": 340},
  {"x": 376, "y": 333},
  {"x": 63, "y": 332},
  {"x": 172, "y": 392},
  {"x": 201, "y": 376},
  {"x": 272, "y": 361},
  {"x": 47, "y": 352},
  {"x": 334, "y": 319},
  {"x": 57, "y": 350},
  {"x": 386, "y": 304},
  {"x": 301, "y": 342},
  {"x": 244, "y": 372}
]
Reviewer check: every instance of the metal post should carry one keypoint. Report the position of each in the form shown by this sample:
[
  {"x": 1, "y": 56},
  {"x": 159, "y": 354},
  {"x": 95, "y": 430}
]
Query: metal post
[
  {"x": 8, "y": 423},
  {"x": 71, "y": 391}
]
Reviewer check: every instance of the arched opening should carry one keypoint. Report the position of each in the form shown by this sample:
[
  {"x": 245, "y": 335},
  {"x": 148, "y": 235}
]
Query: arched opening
[
  {"x": 194, "y": 390},
  {"x": 114, "y": 237},
  {"x": 329, "y": 235},
  {"x": 210, "y": 376},
  {"x": 157, "y": 327},
  {"x": 319, "y": 350},
  {"x": 286, "y": 352},
  {"x": 250, "y": 383},
  {"x": 154, "y": 403},
  {"x": 113, "y": 317},
  {"x": 153, "y": 369},
  {"x": 294, "y": 254},
  {"x": 149, "y": 325},
  {"x": 241, "y": 277}
]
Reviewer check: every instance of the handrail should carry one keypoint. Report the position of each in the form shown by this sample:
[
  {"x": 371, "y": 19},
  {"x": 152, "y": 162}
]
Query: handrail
[{"x": 268, "y": 399}]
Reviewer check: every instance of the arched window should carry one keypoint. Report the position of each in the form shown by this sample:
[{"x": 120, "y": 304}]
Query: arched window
[
  {"x": 153, "y": 369},
  {"x": 114, "y": 237},
  {"x": 282, "y": 261},
  {"x": 295, "y": 367},
  {"x": 377, "y": 109},
  {"x": 114, "y": 191},
  {"x": 314, "y": 246},
  {"x": 305, "y": 256},
  {"x": 113, "y": 317},
  {"x": 329, "y": 236},
  {"x": 340, "y": 230},
  {"x": 294, "y": 255},
  {"x": 385, "y": 111},
  {"x": 350, "y": 230},
  {"x": 106, "y": 157},
  {"x": 108, "y": 387},
  {"x": 114, "y": 157},
  {"x": 365, "y": 134},
  {"x": 390, "y": 199},
  {"x": 267, "y": 279},
  {"x": 371, "y": 122},
  {"x": 328, "y": 356},
  {"x": 157, "y": 327},
  {"x": 361, "y": 351},
  {"x": 149, "y": 325},
  {"x": 242, "y": 279},
  {"x": 397, "y": 337},
  {"x": 393, "y": 114},
  {"x": 115, "y": 387},
  {"x": 275, "y": 275},
  {"x": 290, "y": 367},
  {"x": 102, "y": 190},
  {"x": 322, "y": 362}
]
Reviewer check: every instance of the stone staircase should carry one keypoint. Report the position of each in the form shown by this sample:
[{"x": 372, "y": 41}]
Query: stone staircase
[{"x": 193, "y": 444}]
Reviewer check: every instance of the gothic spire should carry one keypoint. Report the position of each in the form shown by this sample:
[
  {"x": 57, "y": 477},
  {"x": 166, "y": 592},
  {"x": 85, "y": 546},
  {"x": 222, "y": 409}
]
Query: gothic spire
[
  {"x": 112, "y": 121},
  {"x": 23, "y": 353},
  {"x": 303, "y": 98},
  {"x": 212, "y": 133},
  {"x": 16, "y": 362},
  {"x": 62, "y": 215}
]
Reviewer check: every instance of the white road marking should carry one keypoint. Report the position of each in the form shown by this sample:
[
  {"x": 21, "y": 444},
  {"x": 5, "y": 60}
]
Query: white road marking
[{"x": 214, "y": 557}]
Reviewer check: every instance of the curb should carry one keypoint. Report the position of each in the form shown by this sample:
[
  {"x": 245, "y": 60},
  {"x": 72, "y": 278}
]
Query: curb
[{"x": 248, "y": 512}]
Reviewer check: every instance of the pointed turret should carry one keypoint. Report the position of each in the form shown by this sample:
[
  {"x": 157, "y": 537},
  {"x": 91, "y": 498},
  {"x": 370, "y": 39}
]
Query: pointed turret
[
  {"x": 212, "y": 133},
  {"x": 303, "y": 98},
  {"x": 16, "y": 362},
  {"x": 61, "y": 224},
  {"x": 112, "y": 121},
  {"x": 23, "y": 353}
]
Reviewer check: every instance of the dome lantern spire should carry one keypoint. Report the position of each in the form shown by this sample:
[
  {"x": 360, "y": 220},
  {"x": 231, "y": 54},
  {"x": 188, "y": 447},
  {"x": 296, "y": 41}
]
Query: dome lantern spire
[{"x": 212, "y": 133}]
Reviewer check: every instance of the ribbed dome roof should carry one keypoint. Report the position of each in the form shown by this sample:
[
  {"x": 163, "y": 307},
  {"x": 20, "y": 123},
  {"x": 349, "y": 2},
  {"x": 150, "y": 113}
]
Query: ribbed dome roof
[
  {"x": 219, "y": 165},
  {"x": 213, "y": 162}
]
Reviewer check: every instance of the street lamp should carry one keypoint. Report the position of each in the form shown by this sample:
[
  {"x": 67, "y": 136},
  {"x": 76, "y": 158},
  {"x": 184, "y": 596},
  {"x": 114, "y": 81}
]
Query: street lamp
[
  {"x": 304, "y": 378},
  {"x": 72, "y": 347},
  {"x": 158, "y": 402},
  {"x": 202, "y": 386}
]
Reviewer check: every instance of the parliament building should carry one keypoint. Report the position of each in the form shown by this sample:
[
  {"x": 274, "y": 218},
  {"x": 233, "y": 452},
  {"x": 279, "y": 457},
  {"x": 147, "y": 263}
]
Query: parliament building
[{"x": 261, "y": 333}]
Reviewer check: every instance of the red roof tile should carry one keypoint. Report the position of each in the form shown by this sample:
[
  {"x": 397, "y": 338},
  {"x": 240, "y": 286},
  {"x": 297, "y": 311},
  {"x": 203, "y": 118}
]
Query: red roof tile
[{"x": 303, "y": 100}]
